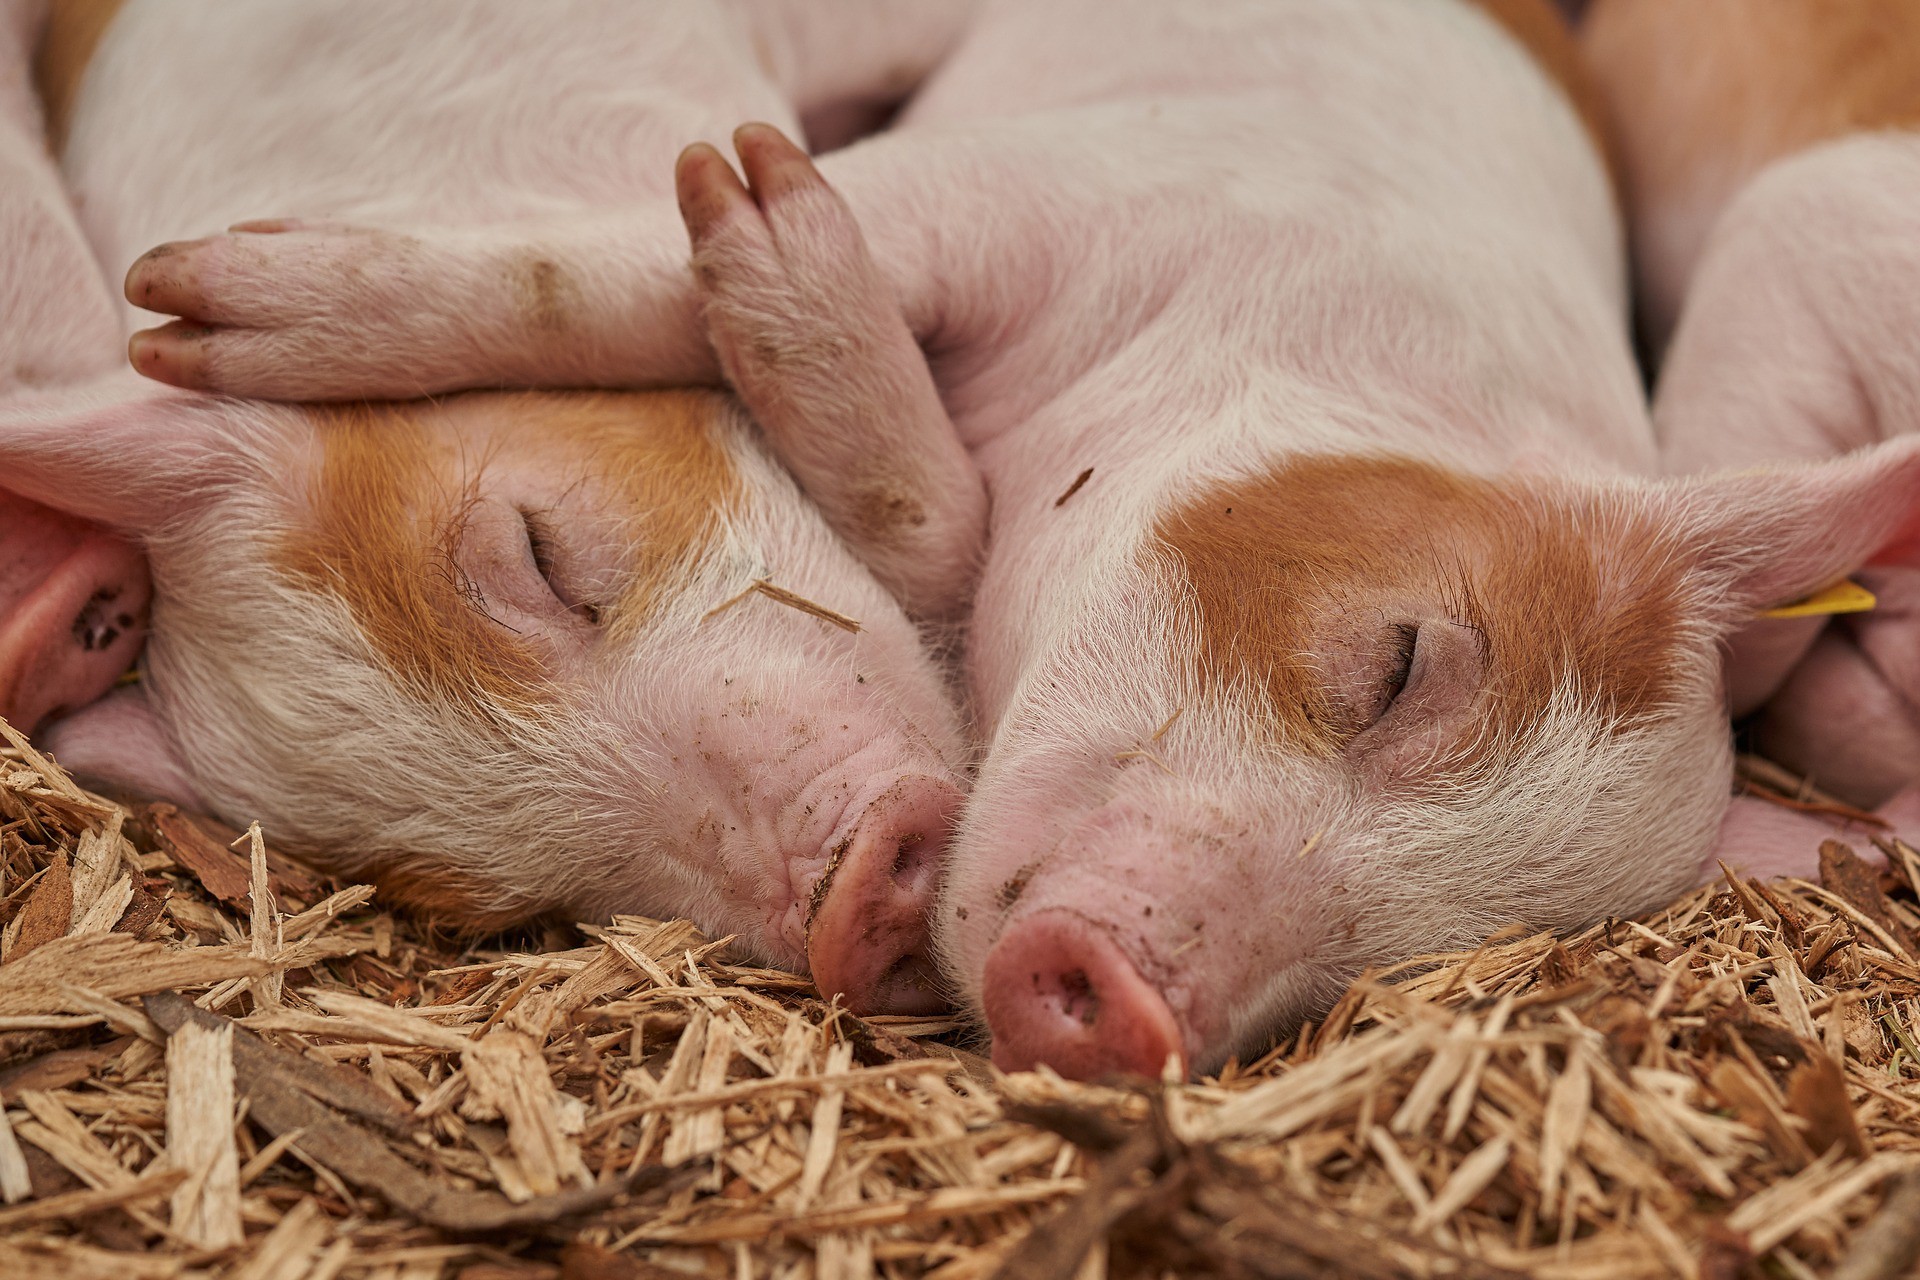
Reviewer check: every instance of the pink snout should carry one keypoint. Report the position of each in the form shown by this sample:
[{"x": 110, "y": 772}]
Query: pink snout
[
  {"x": 1059, "y": 992},
  {"x": 867, "y": 922},
  {"x": 73, "y": 611}
]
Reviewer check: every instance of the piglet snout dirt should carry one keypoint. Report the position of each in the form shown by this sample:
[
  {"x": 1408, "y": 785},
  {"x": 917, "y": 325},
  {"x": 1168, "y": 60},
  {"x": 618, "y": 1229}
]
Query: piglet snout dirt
[
  {"x": 1059, "y": 990},
  {"x": 73, "y": 611},
  {"x": 867, "y": 915}
]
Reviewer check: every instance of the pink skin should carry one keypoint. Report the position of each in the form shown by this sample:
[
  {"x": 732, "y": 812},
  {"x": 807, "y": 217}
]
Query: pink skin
[
  {"x": 1118, "y": 871},
  {"x": 785, "y": 781},
  {"x": 73, "y": 611},
  {"x": 753, "y": 767},
  {"x": 1060, "y": 992},
  {"x": 916, "y": 511},
  {"x": 1783, "y": 352},
  {"x": 73, "y": 595}
]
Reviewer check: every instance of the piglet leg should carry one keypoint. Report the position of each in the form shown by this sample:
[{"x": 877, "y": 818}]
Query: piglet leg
[
  {"x": 296, "y": 310},
  {"x": 813, "y": 338}
]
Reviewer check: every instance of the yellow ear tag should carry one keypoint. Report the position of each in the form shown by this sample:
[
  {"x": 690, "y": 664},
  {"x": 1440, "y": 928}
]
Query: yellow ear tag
[{"x": 1841, "y": 597}]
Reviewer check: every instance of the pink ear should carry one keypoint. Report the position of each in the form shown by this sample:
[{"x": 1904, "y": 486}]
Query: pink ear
[
  {"x": 120, "y": 742},
  {"x": 1782, "y": 534},
  {"x": 73, "y": 610},
  {"x": 121, "y": 450},
  {"x": 1769, "y": 537}
]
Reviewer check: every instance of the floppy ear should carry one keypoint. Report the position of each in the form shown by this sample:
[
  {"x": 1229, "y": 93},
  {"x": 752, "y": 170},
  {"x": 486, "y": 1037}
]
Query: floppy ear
[
  {"x": 119, "y": 741},
  {"x": 1766, "y": 538},
  {"x": 120, "y": 450}
]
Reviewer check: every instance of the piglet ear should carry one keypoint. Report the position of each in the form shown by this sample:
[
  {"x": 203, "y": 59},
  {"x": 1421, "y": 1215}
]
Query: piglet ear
[
  {"x": 1779, "y": 535},
  {"x": 1769, "y": 537},
  {"x": 119, "y": 742},
  {"x": 121, "y": 450}
]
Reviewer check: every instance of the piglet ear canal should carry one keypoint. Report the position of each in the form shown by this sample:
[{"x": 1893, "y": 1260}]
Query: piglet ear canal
[
  {"x": 1770, "y": 538},
  {"x": 120, "y": 450},
  {"x": 119, "y": 743},
  {"x": 814, "y": 341}
]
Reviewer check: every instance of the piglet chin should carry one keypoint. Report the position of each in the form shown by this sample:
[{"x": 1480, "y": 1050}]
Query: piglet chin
[
  {"x": 1059, "y": 991},
  {"x": 867, "y": 931}
]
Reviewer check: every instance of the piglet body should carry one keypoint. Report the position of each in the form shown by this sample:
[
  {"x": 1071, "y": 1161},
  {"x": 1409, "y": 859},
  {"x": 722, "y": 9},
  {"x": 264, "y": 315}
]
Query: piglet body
[
  {"x": 505, "y": 653},
  {"x": 73, "y": 596},
  {"x": 1323, "y": 619},
  {"x": 1775, "y": 171}
]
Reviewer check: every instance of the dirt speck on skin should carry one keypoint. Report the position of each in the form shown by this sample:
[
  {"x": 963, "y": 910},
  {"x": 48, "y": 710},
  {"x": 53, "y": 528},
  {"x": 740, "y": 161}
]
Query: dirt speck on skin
[
  {"x": 886, "y": 510},
  {"x": 544, "y": 293},
  {"x": 1016, "y": 885}
]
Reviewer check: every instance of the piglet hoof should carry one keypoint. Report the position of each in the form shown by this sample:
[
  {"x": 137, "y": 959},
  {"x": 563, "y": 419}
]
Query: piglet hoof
[
  {"x": 814, "y": 338},
  {"x": 867, "y": 926},
  {"x": 295, "y": 310},
  {"x": 1060, "y": 993}
]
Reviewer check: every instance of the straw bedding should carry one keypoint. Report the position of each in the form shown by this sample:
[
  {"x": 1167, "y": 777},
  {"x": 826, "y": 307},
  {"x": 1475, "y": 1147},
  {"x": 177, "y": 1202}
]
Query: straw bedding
[{"x": 215, "y": 1063}]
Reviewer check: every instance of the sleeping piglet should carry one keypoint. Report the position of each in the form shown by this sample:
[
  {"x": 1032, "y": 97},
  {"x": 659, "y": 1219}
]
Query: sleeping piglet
[
  {"x": 1325, "y": 617},
  {"x": 504, "y": 653},
  {"x": 73, "y": 595},
  {"x": 1774, "y": 174}
]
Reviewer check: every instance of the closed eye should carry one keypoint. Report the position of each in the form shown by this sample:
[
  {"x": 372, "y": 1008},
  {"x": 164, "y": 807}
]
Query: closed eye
[
  {"x": 1406, "y": 640},
  {"x": 542, "y": 546}
]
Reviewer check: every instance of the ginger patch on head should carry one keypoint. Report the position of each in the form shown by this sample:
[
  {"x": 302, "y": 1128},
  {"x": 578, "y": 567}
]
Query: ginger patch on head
[
  {"x": 661, "y": 456},
  {"x": 383, "y": 513},
  {"x": 67, "y": 43},
  {"x": 387, "y": 503},
  {"x": 1563, "y": 595}
]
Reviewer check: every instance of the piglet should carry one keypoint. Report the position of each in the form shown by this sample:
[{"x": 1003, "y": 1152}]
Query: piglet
[
  {"x": 73, "y": 595},
  {"x": 1774, "y": 175},
  {"x": 511, "y": 653},
  {"x": 1326, "y": 617}
]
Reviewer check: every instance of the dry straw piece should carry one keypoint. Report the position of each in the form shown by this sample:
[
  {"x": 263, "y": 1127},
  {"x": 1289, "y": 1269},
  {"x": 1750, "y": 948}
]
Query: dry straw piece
[{"x": 215, "y": 1064}]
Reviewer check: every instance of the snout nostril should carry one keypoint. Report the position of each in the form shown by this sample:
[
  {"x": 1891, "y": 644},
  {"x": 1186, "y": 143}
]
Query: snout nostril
[
  {"x": 1079, "y": 999},
  {"x": 1058, "y": 990},
  {"x": 867, "y": 916}
]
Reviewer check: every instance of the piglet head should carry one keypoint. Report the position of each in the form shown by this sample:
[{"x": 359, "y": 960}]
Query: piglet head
[
  {"x": 1346, "y": 711},
  {"x": 506, "y": 654}
]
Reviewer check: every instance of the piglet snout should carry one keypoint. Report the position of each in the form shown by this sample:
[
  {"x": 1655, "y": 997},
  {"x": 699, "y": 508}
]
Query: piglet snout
[
  {"x": 867, "y": 920},
  {"x": 73, "y": 610},
  {"x": 1059, "y": 991}
]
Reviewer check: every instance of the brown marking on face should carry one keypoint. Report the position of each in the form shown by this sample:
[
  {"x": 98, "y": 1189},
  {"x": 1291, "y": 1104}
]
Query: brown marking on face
[
  {"x": 661, "y": 453},
  {"x": 383, "y": 519},
  {"x": 1543, "y": 33},
  {"x": 1716, "y": 89},
  {"x": 1321, "y": 546},
  {"x": 544, "y": 293},
  {"x": 67, "y": 44},
  {"x": 385, "y": 516}
]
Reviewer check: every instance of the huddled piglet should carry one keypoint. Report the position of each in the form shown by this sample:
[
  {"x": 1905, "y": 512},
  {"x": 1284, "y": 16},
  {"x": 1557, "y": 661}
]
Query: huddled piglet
[
  {"x": 73, "y": 595},
  {"x": 1325, "y": 617},
  {"x": 1772, "y": 162},
  {"x": 506, "y": 653}
]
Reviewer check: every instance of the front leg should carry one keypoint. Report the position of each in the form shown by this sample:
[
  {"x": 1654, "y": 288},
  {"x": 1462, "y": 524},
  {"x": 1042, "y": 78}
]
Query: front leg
[
  {"x": 328, "y": 312},
  {"x": 294, "y": 310},
  {"x": 811, "y": 335}
]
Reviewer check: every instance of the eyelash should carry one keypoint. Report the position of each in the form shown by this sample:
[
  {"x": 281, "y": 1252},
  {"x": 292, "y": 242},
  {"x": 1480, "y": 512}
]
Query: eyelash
[
  {"x": 1408, "y": 636},
  {"x": 540, "y": 543}
]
